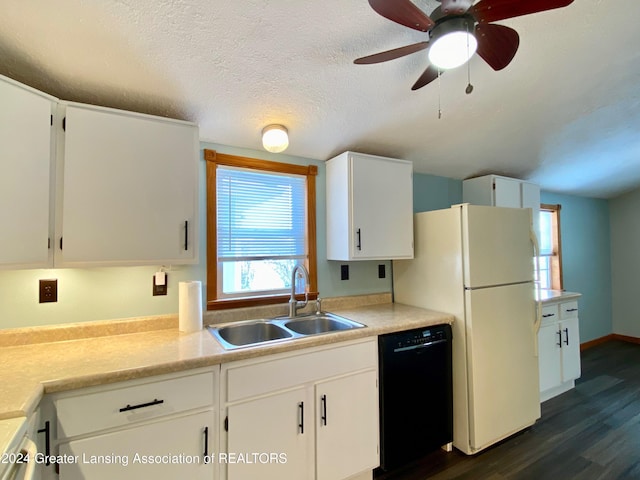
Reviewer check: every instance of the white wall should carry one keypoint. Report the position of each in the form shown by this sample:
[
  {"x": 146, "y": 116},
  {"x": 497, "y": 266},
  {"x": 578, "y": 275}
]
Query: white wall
[{"x": 625, "y": 263}]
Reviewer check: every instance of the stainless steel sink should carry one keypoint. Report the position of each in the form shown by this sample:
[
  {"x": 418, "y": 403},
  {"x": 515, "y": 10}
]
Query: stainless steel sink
[
  {"x": 253, "y": 332},
  {"x": 320, "y": 323},
  {"x": 257, "y": 332}
]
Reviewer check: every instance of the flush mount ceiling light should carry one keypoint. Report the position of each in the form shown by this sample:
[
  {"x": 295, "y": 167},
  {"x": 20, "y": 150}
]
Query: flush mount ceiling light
[
  {"x": 452, "y": 42},
  {"x": 275, "y": 138}
]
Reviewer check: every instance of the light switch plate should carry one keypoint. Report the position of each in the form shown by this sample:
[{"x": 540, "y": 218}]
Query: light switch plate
[{"x": 160, "y": 289}]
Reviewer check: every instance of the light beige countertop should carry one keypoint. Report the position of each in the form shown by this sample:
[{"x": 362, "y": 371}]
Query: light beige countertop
[
  {"x": 552, "y": 296},
  {"x": 30, "y": 370}
]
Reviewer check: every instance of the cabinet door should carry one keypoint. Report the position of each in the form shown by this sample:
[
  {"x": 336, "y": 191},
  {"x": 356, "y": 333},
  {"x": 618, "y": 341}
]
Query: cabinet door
[
  {"x": 570, "y": 349},
  {"x": 506, "y": 193},
  {"x": 275, "y": 434},
  {"x": 347, "y": 426},
  {"x": 25, "y": 159},
  {"x": 530, "y": 194},
  {"x": 168, "y": 450},
  {"x": 549, "y": 356},
  {"x": 130, "y": 189},
  {"x": 382, "y": 208}
]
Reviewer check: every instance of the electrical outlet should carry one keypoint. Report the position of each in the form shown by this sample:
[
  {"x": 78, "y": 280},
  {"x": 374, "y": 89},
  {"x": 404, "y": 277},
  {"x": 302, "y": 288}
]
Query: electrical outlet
[
  {"x": 382, "y": 271},
  {"x": 48, "y": 291},
  {"x": 160, "y": 289},
  {"x": 344, "y": 272}
]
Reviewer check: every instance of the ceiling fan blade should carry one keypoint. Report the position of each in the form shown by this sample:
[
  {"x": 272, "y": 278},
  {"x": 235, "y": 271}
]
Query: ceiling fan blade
[
  {"x": 403, "y": 12},
  {"x": 497, "y": 44},
  {"x": 428, "y": 76},
  {"x": 391, "y": 54},
  {"x": 493, "y": 10}
]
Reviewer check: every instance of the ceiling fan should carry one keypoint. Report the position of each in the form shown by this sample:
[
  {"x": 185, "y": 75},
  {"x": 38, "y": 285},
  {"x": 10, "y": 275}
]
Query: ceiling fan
[{"x": 457, "y": 29}]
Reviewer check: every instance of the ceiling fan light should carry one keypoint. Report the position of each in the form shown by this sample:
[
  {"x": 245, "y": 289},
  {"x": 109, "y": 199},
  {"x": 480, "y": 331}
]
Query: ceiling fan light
[
  {"x": 452, "y": 49},
  {"x": 275, "y": 138}
]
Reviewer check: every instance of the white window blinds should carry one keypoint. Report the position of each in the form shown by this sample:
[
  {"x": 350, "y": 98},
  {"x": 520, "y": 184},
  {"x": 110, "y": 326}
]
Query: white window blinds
[{"x": 260, "y": 215}]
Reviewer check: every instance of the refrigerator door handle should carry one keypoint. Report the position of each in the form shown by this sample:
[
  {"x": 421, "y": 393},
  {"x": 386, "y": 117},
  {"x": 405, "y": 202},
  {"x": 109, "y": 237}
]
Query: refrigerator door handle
[{"x": 538, "y": 319}]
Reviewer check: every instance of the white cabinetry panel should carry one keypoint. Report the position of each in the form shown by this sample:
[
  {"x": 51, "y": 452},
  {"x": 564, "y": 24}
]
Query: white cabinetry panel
[
  {"x": 25, "y": 179},
  {"x": 346, "y": 435},
  {"x": 506, "y": 193},
  {"x": 341, "y": 388},
  {"x": 369, "y": 208},
  {"x": 130, "y": 188},
  {"x": 559, "y": 349},
  {"x": 166, "y": 449},
  {"x": 498, "y": 191},
  {"x": 279, "y": 424}
]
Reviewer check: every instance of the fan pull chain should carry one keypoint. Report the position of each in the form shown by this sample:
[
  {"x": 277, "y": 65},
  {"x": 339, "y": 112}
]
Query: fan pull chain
[
  {"x": 439, "y": 96},
  {"x": 469, "y": 88}
]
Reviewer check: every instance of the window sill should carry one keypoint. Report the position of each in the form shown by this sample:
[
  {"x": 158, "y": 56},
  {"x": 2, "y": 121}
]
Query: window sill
[{"x": 227, "y": 304}]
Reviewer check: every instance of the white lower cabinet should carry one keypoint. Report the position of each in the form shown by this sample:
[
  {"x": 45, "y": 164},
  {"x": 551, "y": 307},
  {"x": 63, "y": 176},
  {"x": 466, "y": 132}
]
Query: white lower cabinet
[
  {"x": 160, "y": 427},
  {"x": 168, "y": 449},
  {"x": 346, "y": 434},
  {"x": 271, "y": 432},
  {"x": 559, "y": 349},
  {"x": 303, "y": 415}
]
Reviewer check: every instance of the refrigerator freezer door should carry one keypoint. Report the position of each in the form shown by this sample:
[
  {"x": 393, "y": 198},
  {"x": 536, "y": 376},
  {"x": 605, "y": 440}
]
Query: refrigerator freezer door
[
  {"x": 502, "y": 366},
  {"x": 497, "y": 245}
]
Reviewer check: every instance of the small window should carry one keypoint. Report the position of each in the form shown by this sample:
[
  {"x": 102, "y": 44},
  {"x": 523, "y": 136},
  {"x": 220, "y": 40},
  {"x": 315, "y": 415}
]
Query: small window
[
  {"x": 261, "y": 223},
  {"x": 550, "y": 260}
]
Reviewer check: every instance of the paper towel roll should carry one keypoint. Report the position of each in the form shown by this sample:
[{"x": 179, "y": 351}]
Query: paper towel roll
[{"x": 190, "y": 306}]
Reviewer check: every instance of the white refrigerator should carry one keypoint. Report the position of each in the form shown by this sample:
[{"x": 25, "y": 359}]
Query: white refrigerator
[{"x": 476, "y": 262}]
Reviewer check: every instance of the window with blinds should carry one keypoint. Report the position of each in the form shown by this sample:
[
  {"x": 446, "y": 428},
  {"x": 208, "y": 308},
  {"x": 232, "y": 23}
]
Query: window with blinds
[{"x": 261, "y": 230}]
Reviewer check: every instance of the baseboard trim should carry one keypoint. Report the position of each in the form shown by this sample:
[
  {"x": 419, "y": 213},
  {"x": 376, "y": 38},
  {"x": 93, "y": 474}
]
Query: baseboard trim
[
  {"x": 597, "y": 341},
  {"x": 606, "y": 338},
  {"x": 626, "y": 338}
]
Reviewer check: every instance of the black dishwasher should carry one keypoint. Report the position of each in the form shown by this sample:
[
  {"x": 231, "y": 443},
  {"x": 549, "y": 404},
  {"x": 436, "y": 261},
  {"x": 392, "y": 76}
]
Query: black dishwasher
[{"x": 416, "y": 398}]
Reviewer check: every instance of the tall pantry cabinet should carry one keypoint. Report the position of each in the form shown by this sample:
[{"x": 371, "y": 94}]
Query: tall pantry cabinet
[{"x": 83, "y": 185}]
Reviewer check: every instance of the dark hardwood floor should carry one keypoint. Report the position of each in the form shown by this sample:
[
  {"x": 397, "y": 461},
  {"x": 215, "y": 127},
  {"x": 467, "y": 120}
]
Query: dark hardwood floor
[{"x": 591, "y": 432}]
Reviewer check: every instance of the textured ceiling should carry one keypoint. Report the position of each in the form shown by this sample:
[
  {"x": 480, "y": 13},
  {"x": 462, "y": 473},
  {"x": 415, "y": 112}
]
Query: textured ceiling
[{"x": 565, "y": 113}]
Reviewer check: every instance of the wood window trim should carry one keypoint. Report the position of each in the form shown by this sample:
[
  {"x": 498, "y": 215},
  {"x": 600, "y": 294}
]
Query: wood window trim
[
  {"x": 213, "y": 159},
  {"x": 556, "y": 260}
]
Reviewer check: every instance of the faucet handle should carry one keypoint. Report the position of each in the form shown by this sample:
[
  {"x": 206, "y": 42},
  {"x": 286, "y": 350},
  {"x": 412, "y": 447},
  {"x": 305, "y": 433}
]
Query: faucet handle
[{"x": 318, "y": 305}]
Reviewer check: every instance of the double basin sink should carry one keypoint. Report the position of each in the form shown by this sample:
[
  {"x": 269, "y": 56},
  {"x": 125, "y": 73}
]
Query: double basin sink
[{"x": 258, "y": 332}]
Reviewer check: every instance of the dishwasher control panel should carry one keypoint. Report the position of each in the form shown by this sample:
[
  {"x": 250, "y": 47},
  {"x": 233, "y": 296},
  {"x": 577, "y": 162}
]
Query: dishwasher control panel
[{"x": 420, "y": 337}]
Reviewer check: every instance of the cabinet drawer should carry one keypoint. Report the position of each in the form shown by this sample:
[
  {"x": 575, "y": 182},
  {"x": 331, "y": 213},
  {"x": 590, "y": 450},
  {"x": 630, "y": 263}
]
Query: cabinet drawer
[
  {"x": 128, "y": 403},
  {"x": 282, "y": 372},
  {"x": 550, "y": 314},
  {"x": 569, "y": 309}
]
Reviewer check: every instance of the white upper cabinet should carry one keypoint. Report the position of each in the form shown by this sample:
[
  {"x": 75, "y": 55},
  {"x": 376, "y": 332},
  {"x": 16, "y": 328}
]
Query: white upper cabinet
[
  {"x": 497, "y": 191},
  {"x": 25, "y": 179},
  {"x": 88, "y": 186},
  {"x": 129, "y": 189},
  {"x": 369, "y": 208}
]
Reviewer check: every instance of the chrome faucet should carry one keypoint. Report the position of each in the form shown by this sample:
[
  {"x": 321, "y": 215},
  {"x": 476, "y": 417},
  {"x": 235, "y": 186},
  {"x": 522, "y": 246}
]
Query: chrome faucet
[{"x": 295, "y": 305}]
